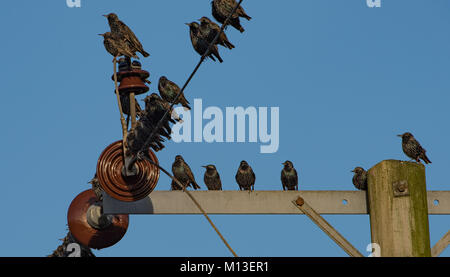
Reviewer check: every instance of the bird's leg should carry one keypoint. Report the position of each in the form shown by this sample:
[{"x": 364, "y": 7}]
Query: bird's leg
[{"x": 115, "y": 59}]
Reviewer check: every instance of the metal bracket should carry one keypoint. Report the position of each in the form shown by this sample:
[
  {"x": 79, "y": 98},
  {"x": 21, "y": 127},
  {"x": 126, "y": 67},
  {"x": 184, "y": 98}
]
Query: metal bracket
[
  {"x": 326, "y": 227},
  {"x": 129, "y": 167},
  {"x": 400, "y": 188},
  {"x": 441, "y": 245},
  {"x": 96, "y": 219}
]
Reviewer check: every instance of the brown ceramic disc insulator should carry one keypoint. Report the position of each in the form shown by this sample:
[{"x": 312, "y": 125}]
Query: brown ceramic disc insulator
[
  {"x": 85, "y": 233},
  {"x": 132, "y": 81},
  {"x": 128, "y": 189}
]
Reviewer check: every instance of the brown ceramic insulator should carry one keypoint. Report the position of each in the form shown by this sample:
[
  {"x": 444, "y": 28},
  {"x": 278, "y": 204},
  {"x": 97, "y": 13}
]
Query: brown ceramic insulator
[
  {"x": 85, "y": 233},
  {"x": 128, "y": 189},
  {"x": 132, "y": 81}
]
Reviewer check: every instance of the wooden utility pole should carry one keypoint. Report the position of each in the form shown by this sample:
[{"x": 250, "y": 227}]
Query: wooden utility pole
[{"x": 397, "y": 203}]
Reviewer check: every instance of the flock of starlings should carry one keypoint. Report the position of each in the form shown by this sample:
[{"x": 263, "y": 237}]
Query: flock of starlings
[{"x": 121, "y": 41}]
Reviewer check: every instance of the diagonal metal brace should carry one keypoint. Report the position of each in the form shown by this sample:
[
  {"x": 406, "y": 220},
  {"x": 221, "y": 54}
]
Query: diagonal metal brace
[
  {"x": 441, "y": 245},
  {"x": 326, "y": 227}
]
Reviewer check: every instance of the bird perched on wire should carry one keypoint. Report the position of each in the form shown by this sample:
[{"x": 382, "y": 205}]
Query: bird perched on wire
[
  {"x": 169, "y": 91},
  {"x": 200, "y": 43},
  {"x": 96, "y": 187},
  {"x": 210, "y": 29},
  {"x": 138, "y": 136},
  {"x": 412, "y": 148},
  {"x": 121, "y": 30},
  {"x": 360, "y": 178},
  {"x": 289, "y": 177},
  {"x": 183, "y": 173},
  {"x": 245, "y": 177},
  {"x": 116, "y": 46},
  {"x": 221, "y": 9},
  {"x": 155, "y": 108},
  {"x": 212, "y": 178}
]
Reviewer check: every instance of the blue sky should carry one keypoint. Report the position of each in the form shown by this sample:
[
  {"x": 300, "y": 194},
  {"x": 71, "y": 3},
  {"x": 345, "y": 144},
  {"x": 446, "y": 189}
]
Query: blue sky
[{"x": 346, "y": 78}]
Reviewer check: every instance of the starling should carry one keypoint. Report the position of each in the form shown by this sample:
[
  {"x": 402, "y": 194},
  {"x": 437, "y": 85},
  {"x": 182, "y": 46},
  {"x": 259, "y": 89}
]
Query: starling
[
  {"x": 125, "y": 102},
  {"x": 210, "y": 29},
  {"x": 96, "y": 187},
  {"x": 360, "y": 178},
  {"x": 122, "y": 31},
  {"x": 212, "y": 178},
  {"x": 155, "y": 108},
  {"x": 63, "y": 250},
  {"x": 138, "y": 136},
  {"x": 169, "y": 91},
  {"x": 413, "y": 149},
  {"x": 116, "y": 47},
  {"x": 289, "y": 177},
  {"x": 221, "y": 9},
  {"x": 183, "y": 173},
  {"x": 200, "y": 43},
  {"x": 245, "y": 177}
]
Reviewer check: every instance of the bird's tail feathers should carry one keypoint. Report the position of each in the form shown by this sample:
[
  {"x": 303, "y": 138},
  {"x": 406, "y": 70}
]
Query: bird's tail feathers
[
  {"x": 425, "y": 159},
  {"x": 229, "y": 45},
  {"x": 145, "y": 54},
  {"x": 216, "y": 53},
  {"x": 195, "y": 185},
  {"x": 212, "y": 57}
]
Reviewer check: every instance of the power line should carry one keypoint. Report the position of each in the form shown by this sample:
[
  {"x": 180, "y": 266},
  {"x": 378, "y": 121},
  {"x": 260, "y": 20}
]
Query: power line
[{"x": 159, "y": 125}]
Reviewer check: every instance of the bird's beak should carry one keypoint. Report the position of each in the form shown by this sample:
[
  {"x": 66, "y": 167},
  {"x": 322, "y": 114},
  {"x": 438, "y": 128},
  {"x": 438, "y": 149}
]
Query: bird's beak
[
  {"x": 353, "y": 171},
  {"x": 204, "y": 166},
  {"x": 189, "y": 24},
  {"x": 399, "y": 135},
  {"x": 105, "y": 15},
  {"x": 101, "y": 35}
]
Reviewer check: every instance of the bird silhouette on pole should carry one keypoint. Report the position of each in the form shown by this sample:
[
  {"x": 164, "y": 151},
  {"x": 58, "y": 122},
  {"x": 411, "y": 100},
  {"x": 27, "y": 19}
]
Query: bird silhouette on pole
[
  {"x": 412, "y": 148},
  {"x": 289, "y": 176},
  {"x": 212, "y": 178},
  {"x": 183, "y": 173},
  {"x": 200, "y": 43},
  {"x": 116, "y": 47},
  {"x": 221, "y": 9},
  {"x": 122, "y": 31},
  {"x": 245, "y": 177},
  {"x": 360, "y": 178}
]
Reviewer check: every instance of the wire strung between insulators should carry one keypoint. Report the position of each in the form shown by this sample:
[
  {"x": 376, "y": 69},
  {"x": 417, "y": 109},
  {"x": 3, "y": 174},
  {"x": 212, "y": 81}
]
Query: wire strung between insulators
[{"x": 168, "y": 111}]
